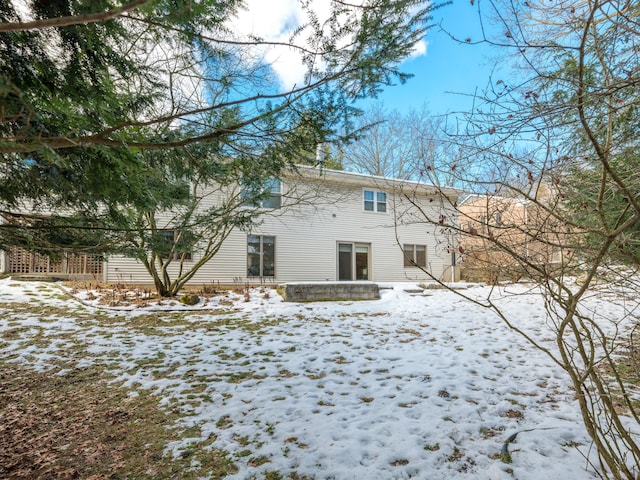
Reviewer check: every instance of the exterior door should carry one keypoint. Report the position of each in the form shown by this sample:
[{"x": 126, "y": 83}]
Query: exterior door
[
  {"x": 362, "y": 262},
  {"x": 353, "y": 261}
]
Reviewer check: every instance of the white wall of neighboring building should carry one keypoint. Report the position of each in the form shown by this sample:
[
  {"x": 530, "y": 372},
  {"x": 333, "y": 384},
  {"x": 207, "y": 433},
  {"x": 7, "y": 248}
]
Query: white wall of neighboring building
[{"x": 319, "y": 211}]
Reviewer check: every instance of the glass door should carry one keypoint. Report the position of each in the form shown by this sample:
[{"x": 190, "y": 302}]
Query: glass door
[
  {"x": 362, "y": 262},
  {"x": 353, "y": 261},
  {"x": 345, "y": 261}
]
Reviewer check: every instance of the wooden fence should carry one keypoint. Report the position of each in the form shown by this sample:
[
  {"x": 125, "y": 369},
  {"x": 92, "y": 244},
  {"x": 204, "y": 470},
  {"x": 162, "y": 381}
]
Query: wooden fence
[{"x": 65, "y": 265}]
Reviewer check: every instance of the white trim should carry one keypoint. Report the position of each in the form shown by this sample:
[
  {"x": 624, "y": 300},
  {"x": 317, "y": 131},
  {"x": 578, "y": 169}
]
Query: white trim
[{"x": 375, "y": 192}]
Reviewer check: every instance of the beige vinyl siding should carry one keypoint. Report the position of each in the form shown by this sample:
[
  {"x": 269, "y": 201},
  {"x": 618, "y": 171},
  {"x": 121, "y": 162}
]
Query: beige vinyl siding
[
  {"x": 307, "y": 235},
  {"x": 307, "y": 245}
]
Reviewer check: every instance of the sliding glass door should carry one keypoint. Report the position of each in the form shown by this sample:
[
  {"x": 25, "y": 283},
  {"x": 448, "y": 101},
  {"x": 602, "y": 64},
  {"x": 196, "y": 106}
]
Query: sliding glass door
[{"x": 353, "y": 261}]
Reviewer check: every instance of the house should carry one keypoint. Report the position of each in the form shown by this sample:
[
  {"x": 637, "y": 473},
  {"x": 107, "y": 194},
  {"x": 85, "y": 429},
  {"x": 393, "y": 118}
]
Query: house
[
  {"x": 503, "y": 236},
  {"x": 318, "y": 225}
]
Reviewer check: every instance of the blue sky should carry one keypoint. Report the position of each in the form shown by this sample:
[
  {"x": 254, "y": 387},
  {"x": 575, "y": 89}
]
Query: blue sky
[
  {"x": 442, "y": 77},
  {"x": 449, "y": 70}
]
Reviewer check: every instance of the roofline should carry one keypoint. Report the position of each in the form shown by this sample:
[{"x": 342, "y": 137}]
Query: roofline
[
  {"x": 476, "y": 196},
  {"x": 366, "y": 179}
]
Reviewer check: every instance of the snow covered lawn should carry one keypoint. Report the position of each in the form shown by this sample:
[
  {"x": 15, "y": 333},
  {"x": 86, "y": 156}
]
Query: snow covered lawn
[{"x": 425, "y": 386}]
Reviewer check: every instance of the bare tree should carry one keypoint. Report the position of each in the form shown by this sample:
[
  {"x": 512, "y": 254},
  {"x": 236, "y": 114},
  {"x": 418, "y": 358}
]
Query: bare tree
[
  {"x": 391, "y": 144},
  {"x": 552, "y": 154}
]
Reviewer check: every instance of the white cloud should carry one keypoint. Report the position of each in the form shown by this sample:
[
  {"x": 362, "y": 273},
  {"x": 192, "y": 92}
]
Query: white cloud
[
  {"x": 271, "y": 20},
  {"x": 275, "y": 20},
  {"x": 419, "y": 49}
]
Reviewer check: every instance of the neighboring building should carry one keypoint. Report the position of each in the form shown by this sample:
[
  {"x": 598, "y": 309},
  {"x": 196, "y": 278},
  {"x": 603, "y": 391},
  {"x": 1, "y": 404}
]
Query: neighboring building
[
  {"x": 324, "y": 225},
  {"x": 501, "y": 235}
]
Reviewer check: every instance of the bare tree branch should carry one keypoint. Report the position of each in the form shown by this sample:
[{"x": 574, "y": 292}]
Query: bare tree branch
[{"x": 70, "y": 20}]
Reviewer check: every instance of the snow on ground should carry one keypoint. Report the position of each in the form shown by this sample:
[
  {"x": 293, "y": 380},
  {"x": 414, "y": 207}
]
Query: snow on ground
[{"x": 426, "y": 386}]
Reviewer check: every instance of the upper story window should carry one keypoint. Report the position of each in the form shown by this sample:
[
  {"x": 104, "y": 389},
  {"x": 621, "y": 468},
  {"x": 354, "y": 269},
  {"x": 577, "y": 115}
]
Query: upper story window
[
  {"x": 374, "y": 201},
  {"x": 268, "y": 197}
]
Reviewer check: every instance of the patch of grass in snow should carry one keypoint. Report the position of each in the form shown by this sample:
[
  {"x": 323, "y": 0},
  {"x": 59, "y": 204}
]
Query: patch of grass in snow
[
  {"x": 270, "y": 475},
  {"x": 224, "y": 422},
  {"x": 515, "y": 402},
  {"x": 341, "y": 360},
  {"x": 284, "y": 373},
  {"x": 408, "y": 331},
  {"x": 433, "y": 447},
  {"x": 571, "y": 444},
  {"x": 238, "y": 377},
  {"x": 504, "y": 457},
  {"x": 455, "y": 455},
  {"x": 512, "y": 413},
  {"x": 223, "y": 355},
  {"x": 164, "y": 371},
  {"x": 257, "y": 461},
  {"x": 270, "y": 428},
  {"x": 490, "y": 432},
  {"x": 14, "y": 333},
  {"x": 295, "y": 476},
  {"x": 465, "y": 464},
  {"x": 19, "y": 309},
  {"x": 524, "y": 394},
  {"x": 243, "y": 441},
  {"x": 444, "y": 394},
  {"x": 78, "y": 423}
]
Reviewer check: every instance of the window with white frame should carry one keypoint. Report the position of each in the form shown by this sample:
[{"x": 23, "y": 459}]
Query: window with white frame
[
  {"x": 374, "y": 201},
  {"x": 268, "y": 196},
  {"x": 261, "y": 256},
  {"x": 415, "y": 255}
]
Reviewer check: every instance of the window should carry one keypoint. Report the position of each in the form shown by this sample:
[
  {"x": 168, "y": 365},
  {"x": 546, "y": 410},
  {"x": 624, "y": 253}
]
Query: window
[
  {"x": 497, "y": 217},
  {"x": 172, "y": 241},
  {"x": 268, "y": 196},
  {"x": 374, "y": 201},
  {"x": 353, "y": 261},
  {"x": 415, "y": 255},
  {"x": 261, "y": 256}
]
